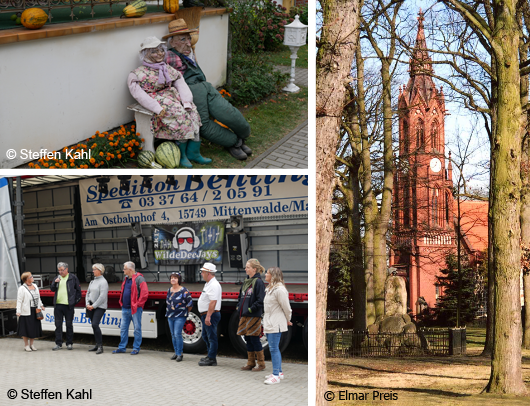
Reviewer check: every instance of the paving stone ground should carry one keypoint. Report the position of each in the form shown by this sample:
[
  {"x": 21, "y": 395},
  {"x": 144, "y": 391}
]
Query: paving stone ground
[
  {"x": 291, "y": 151},
  {"x": 149, "y": 378}
]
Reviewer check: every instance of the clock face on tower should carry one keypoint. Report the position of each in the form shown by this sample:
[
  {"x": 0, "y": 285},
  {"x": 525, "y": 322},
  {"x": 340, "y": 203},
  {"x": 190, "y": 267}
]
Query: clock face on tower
[{"x": 436, "y": 165}]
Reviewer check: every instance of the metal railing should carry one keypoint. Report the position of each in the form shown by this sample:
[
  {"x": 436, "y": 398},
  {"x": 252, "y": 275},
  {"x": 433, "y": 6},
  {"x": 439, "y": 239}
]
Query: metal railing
[
  {"x": 432, "y": 342},
  {"x": 339, "y": 314},
  {"x": 15, "y": 6}
]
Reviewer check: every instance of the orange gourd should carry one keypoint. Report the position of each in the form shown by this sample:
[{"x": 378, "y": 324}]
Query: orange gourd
[
  {"x": 171, "y": 6},
  {"x": 33, "y": 18}
]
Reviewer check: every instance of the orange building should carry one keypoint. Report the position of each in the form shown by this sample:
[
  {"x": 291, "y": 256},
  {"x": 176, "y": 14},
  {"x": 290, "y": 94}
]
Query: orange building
[{"x": 424, "y": 208}]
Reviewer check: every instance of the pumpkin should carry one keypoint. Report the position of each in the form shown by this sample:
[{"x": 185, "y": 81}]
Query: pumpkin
[
  {"x": 146, "y": 159},
  {"x": 168, "y": 155},
  {"x": 33, "y": 18},
  {"x": 135, "y": 9},
  {"x": 171, "y": 6}
]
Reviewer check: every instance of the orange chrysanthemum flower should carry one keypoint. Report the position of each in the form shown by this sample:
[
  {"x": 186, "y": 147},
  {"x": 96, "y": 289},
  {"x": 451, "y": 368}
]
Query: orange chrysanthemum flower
[
  {"x": 108, "y": 158},
  {"x": 31, "y": 164},
  {"x": 130, "y": 149},
  {"x": 119, "y": 156}
]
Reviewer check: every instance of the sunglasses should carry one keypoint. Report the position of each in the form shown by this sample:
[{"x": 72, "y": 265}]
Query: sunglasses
[{"x": 189, "y": 240}]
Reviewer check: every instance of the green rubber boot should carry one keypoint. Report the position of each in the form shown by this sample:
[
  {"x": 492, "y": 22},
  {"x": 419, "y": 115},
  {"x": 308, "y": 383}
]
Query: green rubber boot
[
  {"x": 194, "y": 153},
  {"x": 184, "y": 161}
]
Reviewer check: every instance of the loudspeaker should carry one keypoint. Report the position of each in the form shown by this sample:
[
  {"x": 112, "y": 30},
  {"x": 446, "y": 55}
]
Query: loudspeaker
[
  {"x": 237, "y": 249},
  {"x": 137, "y": 251}
]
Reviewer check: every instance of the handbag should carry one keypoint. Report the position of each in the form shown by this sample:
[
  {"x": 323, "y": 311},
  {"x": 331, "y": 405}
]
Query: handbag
[
  {"x": 89, "y": 313},
  {"x": 38, "y": 312}
]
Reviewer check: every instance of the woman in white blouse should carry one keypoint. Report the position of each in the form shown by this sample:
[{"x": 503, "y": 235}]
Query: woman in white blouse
[{"x": 28, "y": 301}]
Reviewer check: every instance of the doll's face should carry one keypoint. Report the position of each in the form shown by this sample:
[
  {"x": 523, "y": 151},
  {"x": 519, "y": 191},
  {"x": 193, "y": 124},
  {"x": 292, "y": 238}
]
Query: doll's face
[
  {"x": 156, "y": 54},
  {"x": 182, "y": 43}
]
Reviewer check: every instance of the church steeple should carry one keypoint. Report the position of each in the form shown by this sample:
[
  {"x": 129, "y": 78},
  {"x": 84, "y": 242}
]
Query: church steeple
[
  {"x": 420, "y": 69},
  {"x": 421, "y": 62}
]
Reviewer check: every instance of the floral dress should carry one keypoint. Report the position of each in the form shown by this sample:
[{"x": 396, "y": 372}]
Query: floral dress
[{"x": 177, "y": 124}]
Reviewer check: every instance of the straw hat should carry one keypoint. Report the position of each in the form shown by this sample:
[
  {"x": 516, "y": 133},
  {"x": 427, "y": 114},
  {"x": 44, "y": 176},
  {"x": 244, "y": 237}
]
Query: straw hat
[{"x": 178, "y": 27}]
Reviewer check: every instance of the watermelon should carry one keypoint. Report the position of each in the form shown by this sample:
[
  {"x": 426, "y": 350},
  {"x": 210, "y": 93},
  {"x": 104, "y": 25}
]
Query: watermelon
[
  {"x": 168, "y": 155},
  {"x": 145, "y": 159}
]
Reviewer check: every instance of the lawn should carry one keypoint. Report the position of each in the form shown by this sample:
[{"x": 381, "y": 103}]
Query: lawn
[
  {"x": 283, "y": 57},
  {"x": 425, "y": 381}
]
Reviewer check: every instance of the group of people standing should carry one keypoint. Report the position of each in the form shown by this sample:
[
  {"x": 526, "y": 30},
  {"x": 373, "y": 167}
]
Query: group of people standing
[{"x": 258, "y": 305}]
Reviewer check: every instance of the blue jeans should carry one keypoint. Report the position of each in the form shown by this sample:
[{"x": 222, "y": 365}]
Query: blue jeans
[
  {"x": 276, "y": 355},
  {"x": 209, "y": 334},
  {"x": 126, "y": 317},
  {"x": 175, "y": 326}
]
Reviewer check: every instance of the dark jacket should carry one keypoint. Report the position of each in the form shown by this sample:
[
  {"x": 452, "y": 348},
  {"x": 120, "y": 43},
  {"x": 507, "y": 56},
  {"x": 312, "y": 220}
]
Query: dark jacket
[
  {"x": 252, "y": 297},
  {"x": 212, "y": 106},
  {"x": 139, "y": 292},
  {"x": 73, "y": 288}
]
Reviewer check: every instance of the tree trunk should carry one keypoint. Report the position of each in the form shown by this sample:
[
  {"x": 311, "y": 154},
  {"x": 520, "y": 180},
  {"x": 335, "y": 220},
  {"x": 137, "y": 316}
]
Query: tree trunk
[
  {"x": 506, "y": 374},
  {"x": 383, "y": 217},
  {"x": 334, "y": 59},
  {"x": 358, "y": 288},
  {"x": 525, "y": 232},
  {"x": 369, "y": 205}
]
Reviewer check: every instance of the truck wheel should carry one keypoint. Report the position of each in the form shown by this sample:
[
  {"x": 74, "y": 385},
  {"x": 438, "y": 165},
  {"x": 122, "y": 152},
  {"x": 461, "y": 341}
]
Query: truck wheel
[
  {"x": 305, "y": 334},
  {"x": 192, "y": 333}
]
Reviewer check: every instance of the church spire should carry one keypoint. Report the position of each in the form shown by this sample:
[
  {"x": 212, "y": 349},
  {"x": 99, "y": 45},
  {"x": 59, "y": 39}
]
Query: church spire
[{"x": 421, "y": 62}]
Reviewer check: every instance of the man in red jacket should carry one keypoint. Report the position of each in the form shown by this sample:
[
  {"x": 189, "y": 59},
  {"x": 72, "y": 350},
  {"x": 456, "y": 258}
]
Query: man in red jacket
[{"x": 133, "y": 296}]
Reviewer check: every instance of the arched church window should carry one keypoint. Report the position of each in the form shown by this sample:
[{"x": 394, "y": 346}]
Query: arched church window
[
  {"x": 434, "y": 207},
  {"x": 420, "y": 138},
  {"x": 434, "y": 135},
  {"x": 406, "y": 206},
  {"x": 447, "y": 218},
  {"x": 405, "y": 137}
]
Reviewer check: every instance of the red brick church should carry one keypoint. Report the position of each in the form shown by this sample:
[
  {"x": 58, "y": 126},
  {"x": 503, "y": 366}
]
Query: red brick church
[{"x": 424, "y": 208}]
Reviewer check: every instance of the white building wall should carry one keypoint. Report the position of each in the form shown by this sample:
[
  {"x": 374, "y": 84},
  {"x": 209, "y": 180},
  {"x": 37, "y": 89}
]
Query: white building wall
[{"x": 55, "y": 92}]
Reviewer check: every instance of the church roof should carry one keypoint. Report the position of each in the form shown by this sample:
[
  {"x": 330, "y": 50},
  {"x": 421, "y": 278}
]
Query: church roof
[{"x": 474, "y": 223}]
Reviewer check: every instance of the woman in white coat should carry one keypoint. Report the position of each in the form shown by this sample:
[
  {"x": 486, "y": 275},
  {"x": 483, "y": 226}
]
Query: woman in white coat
[
  {"x": 28, "y": 301},
  {"x": 276, "y": 319}
]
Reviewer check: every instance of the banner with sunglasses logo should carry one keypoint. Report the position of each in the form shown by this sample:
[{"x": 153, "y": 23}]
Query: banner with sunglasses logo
[
  {"x": 158, "y": 200},
  {"x": 188, "y": 243}
]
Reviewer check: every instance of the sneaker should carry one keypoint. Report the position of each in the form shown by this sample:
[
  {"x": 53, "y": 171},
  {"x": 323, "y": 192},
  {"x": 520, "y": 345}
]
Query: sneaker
[
  {"x": 33, "y": 348},
  {"x": 27, "y": 349},
  {"x": 268, "y": 376},
  {"x": 57, "y": 347},
  {"x": 134, "y": 352},
  {"x": 69, "y": 346},
  {"x": 204, "y": 359},
  {"x": 208, "y": 363},
  {"x": 180, "y": 358},
  {"x": 174, "y": 357},
  {"x": 94, "y": 348},
  {"x": 100, "y": 350},
  {"x": 272, "y": 380},
  {"x": 118, "y": 351}
]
